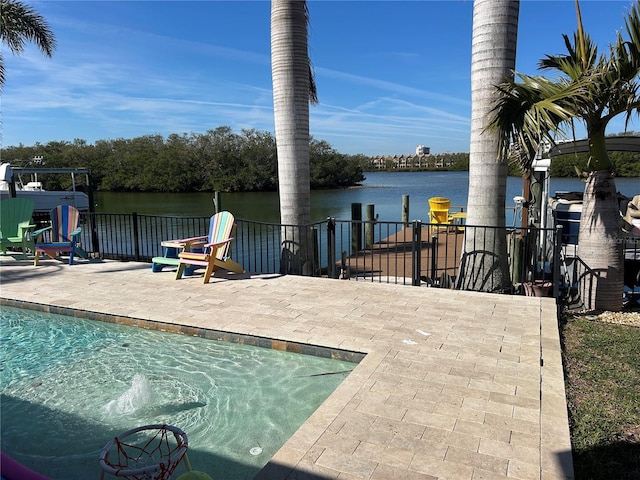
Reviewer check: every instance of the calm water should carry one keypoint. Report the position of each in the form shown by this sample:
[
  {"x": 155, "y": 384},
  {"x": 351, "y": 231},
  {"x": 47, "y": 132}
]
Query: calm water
[
  {"x": 382, "y": 189},
  {"x": 69, "y": 385}
]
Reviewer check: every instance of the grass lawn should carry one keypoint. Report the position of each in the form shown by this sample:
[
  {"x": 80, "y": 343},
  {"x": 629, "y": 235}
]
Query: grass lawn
[{"x": 602, "y": 375}]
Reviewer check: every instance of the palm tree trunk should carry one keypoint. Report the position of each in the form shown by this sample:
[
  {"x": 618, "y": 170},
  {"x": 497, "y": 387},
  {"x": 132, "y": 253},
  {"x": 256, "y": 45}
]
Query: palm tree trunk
[
  {"x": 599, "y": 243},
  {"x": 484, "y": 264},
  {"x": 290, "y": 75}
]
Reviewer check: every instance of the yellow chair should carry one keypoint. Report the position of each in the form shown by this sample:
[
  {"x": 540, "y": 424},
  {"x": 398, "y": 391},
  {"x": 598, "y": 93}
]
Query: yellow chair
[{"x": 439, "y": 211}]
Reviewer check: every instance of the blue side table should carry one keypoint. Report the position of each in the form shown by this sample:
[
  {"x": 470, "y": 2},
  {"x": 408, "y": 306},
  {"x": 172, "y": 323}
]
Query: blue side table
[{"x": 172, "y": 249}]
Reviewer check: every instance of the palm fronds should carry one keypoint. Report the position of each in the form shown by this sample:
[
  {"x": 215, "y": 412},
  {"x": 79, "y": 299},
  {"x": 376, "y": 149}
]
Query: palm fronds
[
  {"x": 592, "y": 88},
  {"x": 19, "y": 23}
]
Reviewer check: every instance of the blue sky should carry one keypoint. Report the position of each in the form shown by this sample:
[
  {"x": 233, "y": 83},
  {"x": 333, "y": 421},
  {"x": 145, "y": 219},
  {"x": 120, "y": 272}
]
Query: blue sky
[{"x": 390, "y": 75}]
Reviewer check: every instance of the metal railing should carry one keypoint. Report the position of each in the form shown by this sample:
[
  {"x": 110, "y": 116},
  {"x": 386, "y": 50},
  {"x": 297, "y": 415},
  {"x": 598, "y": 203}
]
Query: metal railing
[
  {"x": 579, "y": 279},
  {"x": 412, "y": 253},
  {"x": 457, "y": 256}
]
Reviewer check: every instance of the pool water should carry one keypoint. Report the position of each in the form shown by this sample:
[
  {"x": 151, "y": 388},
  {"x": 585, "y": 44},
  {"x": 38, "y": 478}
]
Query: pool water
[{"x": 69, "y": 385}]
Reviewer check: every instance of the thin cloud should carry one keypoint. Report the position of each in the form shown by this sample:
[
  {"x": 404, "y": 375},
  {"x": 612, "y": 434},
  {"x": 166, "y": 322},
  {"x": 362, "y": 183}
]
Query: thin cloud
[{"x": 390, "y": 86}]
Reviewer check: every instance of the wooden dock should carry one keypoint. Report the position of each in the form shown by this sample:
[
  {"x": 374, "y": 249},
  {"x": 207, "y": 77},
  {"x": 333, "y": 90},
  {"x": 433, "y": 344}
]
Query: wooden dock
[{"x": 393, "y": 257}]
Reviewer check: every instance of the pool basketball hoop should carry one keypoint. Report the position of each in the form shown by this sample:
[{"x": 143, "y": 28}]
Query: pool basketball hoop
[{"x": 150, "y": 452}]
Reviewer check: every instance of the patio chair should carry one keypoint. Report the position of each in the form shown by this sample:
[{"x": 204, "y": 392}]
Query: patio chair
[
  {"x": 215, "y": 250},
  {"x": 439, "y": 211},
  {"x": 16, "y": 226},
  {"x": 63, "y": 234}
]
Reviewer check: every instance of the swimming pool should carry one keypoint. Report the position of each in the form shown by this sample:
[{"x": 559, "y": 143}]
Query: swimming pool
[{"x": 69, "y": 385}]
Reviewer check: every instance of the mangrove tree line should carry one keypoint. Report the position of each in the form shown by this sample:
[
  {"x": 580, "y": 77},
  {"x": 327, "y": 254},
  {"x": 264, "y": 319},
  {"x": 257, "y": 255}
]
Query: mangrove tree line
[{"x": 218, "y": 160}]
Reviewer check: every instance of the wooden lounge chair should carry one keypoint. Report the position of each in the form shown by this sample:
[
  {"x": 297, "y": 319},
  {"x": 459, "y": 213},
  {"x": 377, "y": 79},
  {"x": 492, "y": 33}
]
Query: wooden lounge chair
[
  {"x": 63, "y": 234},
  {"x": 215, "y": 250},
  {"x": 16, "y": 226}
]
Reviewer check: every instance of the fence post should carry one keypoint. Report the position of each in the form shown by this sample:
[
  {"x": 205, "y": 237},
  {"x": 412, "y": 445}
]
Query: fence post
[
  {"x": 331, "y": 248},
  {"x": 416, "y": 252},
  {"x": 136, "y": 244},
  {"x": 557, "y": 247},
  {"x": 356, "y": 227},
  {"x": 434, "y": 257},
  {"x": 315, "y": 252},
  {"x": 95, "y": 243},
  {"x": 217, "y": 202},
  {"x": 93, "y": 234}
]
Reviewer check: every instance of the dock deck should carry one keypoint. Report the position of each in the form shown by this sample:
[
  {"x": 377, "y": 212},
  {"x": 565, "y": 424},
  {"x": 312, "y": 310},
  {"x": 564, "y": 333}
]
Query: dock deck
[{"x": 393, "y": 256}]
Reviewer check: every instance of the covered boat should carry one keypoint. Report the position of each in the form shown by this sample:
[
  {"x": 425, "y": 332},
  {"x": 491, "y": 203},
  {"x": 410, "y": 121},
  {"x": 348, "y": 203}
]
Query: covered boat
[{"x": 13, "y": 185}]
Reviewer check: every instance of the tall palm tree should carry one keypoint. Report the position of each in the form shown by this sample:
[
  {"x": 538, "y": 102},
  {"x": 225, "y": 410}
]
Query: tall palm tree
[
  {"x": 484, "y": 264},
  {"x": 19, "y": 23},
  {"x": 293, "y": 89},
  {"x": 591, "y": 89}
]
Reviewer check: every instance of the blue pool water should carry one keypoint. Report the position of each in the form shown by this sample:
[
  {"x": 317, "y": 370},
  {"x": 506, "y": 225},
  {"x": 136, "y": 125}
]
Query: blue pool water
[{"x": 69, "y": 385}]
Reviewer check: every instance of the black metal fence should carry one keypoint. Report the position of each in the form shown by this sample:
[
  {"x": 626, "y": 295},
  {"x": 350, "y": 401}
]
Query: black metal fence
[
  {"x": 539, "y": 261},
  {"x": 410, "y": 253}
]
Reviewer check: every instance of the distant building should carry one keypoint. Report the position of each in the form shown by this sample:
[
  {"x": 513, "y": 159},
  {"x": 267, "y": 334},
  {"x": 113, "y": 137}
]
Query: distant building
[
  {"x": 418, "y": 160},
  {"x": 421, "y": 159},
  {"x": 422, "y": 150}
]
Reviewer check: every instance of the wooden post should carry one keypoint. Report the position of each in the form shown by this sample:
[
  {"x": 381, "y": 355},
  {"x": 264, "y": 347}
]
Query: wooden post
[
  {"x": 405, "y": 208},
  {"x": 217, "y": 202},
  {"x": 516, "y": 259},
  {"x": 370, "y": 218}
]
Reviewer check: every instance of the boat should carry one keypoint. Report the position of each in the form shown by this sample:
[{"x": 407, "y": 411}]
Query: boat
[{"x": 12, "y": 184}]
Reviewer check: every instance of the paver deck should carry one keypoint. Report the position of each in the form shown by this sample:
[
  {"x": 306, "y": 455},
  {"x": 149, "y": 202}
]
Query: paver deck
[{"x": 454, "y": 385}]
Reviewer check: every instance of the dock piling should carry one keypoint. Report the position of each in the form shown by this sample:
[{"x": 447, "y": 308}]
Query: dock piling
[
  {"x": 405, "y": 209},
  {"x": 370, "y": 219}
]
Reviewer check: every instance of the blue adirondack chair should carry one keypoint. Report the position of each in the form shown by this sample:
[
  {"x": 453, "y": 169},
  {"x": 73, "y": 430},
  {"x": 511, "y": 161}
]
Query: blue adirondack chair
[
  {"x": 63, "y": 234},
  {"x": 16, "y": 226}
]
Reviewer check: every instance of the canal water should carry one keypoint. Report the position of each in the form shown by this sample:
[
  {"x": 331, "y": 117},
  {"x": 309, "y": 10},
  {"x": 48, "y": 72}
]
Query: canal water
[{"x": 382, "y": 189}]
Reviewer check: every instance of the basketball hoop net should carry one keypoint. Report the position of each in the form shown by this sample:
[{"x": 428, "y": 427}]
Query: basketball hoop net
[{"x": 145, "y": 453}]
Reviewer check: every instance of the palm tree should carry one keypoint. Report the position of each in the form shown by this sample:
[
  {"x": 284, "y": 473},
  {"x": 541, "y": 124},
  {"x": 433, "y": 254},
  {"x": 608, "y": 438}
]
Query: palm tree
[
  {"x": 484, "y": 264},
  {"x": 591, "y": 89},
  {"x": 293, "y": 89},
  {"x": 18, "y": 23}
]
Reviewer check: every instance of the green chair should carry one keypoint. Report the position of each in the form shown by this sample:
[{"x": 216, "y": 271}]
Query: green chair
[{"x": 16, "y": 226}]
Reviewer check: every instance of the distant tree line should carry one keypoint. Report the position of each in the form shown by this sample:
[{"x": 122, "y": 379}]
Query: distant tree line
[
  {"x": 229, "y": 162},
  {"x": 218, "y": 160},
  {"x": 625, "y": 164}
]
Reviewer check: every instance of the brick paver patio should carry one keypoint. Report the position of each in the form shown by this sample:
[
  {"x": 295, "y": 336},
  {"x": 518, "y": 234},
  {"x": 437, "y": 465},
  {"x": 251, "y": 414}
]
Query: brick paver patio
[{"x": 453, "y": 385}]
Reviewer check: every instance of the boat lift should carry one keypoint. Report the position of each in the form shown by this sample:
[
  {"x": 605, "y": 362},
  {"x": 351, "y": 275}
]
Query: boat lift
[{"x": 13, "y": 175}]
